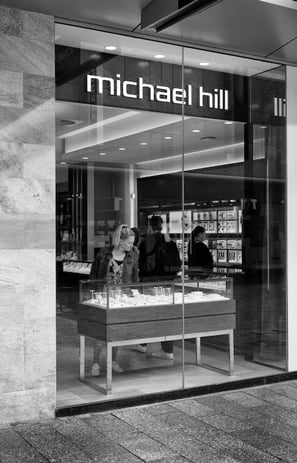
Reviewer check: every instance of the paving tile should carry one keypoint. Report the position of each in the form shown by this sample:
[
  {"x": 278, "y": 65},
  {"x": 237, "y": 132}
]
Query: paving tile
[
  {"x": 111, "y": 426},
  {"x": 267, "y": 413},
  {"x": 275, "y": 427},
  {"x": 175, "y": 437},
  {"x": 158, "y": 409},
  {"x": 224, "y": 406},
  {"x": 288, "y": 390},
  {"x": 91, "y": 441},
  {"x": 15, "y": 449},
  {"x": 51, "y": 444},
  {"x": 218, "y": 440},
  {"x": 244, "y": 399},
  {"x": 269, "y": 444},
  {"x": 196, "y": 451},
  {"x": 206, "y": 414},
  {"x": 136, "y": 442},
  {"x": 274, "y": 398}
]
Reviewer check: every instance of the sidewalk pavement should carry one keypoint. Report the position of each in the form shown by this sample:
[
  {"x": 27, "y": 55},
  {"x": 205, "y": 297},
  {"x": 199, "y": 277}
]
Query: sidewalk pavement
[{"x": 250, "y": 425}]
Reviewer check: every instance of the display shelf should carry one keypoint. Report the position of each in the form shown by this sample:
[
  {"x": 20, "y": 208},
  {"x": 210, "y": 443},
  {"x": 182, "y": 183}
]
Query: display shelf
[
  {"x": 223, "y": 226},
  {"x": 74, "y": 266}
]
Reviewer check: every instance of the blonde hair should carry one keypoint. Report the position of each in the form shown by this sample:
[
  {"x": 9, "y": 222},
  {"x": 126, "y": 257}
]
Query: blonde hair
[{"x": 122, "y": 232}]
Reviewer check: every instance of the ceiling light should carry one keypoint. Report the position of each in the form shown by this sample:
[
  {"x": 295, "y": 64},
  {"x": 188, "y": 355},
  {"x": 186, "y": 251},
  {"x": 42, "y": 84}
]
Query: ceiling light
[
  {"x": 168, "y": 138},
  {"x": 228, "y": 122},
  {"x": 204, "y": 63},
  {"x": 102, "y": 154},
  {"x": 85, "y": 157},
  {"x": 122, "y": 149},
  {"x": 196, "y": 130},
  {"x": 143, "y": 143},
  {"x": 263, "y": 127},
  {"x": 63, "y": 163},
  {"x": 143, "y": 64},
  {"x": 110, "y": 47},
  {"x": 159, "y": 56}
]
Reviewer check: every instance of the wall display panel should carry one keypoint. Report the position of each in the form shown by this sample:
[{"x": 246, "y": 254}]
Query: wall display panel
[{"x": 218, "y": 232}]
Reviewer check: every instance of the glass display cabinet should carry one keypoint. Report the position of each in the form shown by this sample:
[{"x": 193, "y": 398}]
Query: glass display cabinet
[{"x": 150, "y": 312}]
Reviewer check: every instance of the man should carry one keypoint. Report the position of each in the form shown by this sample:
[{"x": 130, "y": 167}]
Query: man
[{"x": 155, "y": 265}]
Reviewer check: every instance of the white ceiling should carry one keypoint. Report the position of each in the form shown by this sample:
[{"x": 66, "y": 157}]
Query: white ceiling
[
  {"x": 265, "y": 29},
  {"x": 146, "y": 49}
]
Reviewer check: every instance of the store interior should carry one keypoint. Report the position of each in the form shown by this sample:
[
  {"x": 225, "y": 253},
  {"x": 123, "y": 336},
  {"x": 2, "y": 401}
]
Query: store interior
[{"x": 121, "y": 164}]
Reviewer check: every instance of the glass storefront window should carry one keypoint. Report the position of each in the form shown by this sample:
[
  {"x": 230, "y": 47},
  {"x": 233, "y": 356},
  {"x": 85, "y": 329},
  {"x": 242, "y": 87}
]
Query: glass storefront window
[{"x": 161, "y": 140}]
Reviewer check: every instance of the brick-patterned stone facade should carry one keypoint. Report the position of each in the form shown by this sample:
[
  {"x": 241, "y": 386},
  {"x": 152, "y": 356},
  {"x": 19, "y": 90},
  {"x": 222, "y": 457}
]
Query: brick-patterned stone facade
[{"x": 27, "y": 216}]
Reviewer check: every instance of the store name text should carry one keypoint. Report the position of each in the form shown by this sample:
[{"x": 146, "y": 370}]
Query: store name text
[
  {"x": 217, "y": 99},
  {"x": 280, "y": 108}
]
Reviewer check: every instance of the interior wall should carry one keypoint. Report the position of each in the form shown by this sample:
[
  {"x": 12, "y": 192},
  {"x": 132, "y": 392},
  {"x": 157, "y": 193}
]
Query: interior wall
[{"x": 27, "y": 216}]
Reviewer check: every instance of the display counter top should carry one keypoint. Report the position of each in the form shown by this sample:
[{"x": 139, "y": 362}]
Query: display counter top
[{"x": 142, "y": 300}]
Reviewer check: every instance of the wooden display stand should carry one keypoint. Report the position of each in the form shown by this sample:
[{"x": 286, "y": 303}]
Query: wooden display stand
[{"x": 146, "y": 324}]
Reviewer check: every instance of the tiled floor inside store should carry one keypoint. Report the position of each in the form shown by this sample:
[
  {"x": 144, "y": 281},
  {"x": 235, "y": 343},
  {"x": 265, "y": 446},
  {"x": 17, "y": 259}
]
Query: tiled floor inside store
[{"x": 143, "y": 374}]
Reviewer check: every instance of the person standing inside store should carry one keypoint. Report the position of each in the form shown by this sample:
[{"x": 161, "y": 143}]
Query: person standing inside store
[
  {"x": 200, "y": 261},
  {"x": 151, "y": 268},
  {"x": 137, "y": 239},
  {"x": 117, "y": 265}
]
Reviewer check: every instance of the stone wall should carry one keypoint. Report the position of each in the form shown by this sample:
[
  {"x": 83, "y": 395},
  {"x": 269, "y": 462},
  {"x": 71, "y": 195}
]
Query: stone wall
[{"x": 27, "y": 216}]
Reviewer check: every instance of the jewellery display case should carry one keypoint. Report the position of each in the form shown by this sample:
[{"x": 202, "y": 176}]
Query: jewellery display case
[{"x": 150, "y": 312}]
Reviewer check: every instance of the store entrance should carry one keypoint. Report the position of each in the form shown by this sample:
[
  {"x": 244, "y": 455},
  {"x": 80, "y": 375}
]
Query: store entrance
[{"x": 142, "y": 161}]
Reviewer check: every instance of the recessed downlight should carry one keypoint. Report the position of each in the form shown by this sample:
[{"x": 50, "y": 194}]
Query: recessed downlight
[
  {"x": 102, "y": 153},
  {"x": 159, "y": 56},
  {"x": 110, "y": 48},
  {"x": 143, "y": 64},
  {"x": 167, "y": 138},
  {"x": 195, "y": 130},
  {"x": 122, "y": 149},
  {"x": 204, "y": 63},
  {"x": 143, "y": 143}
]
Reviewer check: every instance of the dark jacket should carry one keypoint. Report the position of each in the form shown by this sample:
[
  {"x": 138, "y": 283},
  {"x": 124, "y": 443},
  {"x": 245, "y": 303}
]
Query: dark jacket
[
  {"x": 148, "y": 264},
  {"x": 158, "y": 258},
  {"x": 100, "y": 266},
  {"x": 200, "y": 260}
]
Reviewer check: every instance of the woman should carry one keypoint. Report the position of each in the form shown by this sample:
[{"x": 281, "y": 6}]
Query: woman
[
  {"x": 118, "y": 265},
  {"x": 200, "y": 260}
]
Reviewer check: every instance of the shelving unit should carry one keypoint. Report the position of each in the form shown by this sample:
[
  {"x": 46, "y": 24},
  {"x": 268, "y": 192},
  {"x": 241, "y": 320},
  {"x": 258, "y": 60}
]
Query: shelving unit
[{"x": 223, "y": 224}]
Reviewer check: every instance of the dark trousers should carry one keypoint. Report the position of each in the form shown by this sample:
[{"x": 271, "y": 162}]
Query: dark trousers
[{"x": 167, "y": 346}]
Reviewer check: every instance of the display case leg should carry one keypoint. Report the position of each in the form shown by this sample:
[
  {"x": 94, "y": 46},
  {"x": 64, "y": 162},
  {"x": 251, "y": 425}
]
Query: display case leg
[
  {"x": 82, "y": 343},
  {"x": 108, "y": 368},
  {"x": 198, "y": 351},
  {"x": 231, "y": 352}
]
